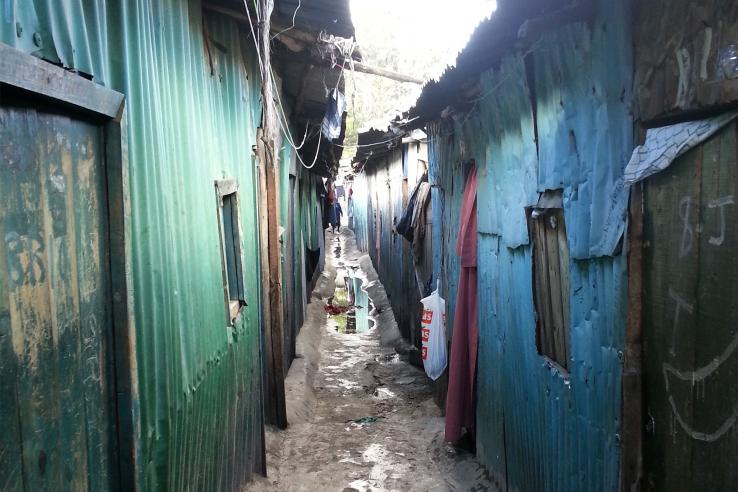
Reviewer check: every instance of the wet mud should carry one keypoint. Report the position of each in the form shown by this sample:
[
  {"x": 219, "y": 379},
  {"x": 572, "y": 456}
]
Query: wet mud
[{"x": 361, "y": 417}]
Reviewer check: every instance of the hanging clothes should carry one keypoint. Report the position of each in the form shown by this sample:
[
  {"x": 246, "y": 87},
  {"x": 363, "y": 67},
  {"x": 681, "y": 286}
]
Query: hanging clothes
[
  {"x": 332, "y": 126},
  {"x": 334, "y": 214},
  {"x": 405, "y": 226},
  {"x": 460, "y": 400}
]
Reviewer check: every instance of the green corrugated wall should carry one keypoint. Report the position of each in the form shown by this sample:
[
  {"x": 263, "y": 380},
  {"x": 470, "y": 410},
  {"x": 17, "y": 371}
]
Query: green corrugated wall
[{"x": 192, "y": 112}]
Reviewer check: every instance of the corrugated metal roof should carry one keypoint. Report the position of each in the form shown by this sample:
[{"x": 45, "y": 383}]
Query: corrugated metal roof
[
  {"x": 307, "y": 75},
  {"x": 373, "y": 143},
  {"x": 503, "y": 32},
  {"x": 331, "y": 16}
]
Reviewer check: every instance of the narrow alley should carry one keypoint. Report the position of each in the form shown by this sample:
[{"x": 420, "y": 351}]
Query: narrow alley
[
  {"x": 361, "y": 416},
  {"x": 368, "y": 245}
]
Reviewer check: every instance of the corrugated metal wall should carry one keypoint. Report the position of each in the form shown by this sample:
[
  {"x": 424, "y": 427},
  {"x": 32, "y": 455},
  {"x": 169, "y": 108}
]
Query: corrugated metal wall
[
  {"x": 539, "y": 429},
  {"x": 361, "y": 211},
  {"x": 192, "y": 108},
  {"x": 302, "y": 228},
  {"x": 384, "y": 189}
]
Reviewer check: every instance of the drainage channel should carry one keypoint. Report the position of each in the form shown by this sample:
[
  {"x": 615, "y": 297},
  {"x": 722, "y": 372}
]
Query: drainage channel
[{"x": 349, "y": 307}]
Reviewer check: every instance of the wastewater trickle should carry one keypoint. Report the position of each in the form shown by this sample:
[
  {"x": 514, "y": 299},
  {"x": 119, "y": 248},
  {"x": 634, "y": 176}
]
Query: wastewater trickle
[{"x": 350, "y": 305}]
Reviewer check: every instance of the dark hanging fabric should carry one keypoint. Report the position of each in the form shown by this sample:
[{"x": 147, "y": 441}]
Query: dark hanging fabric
[
  {"x": 460, "y": 401},
  {"x": 419, "y": 220},
  {"x": 334, "y": 213},
  {"x": 323, "y": 193},
  {"x": 405, "y": 226},
  {"x": 312, "y": 260},
  {"x": 334, "y": 109}
]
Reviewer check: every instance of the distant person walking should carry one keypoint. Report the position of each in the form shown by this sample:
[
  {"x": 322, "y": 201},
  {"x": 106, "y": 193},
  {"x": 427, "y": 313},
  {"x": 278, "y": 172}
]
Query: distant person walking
[{"x": 334, "y": 215}]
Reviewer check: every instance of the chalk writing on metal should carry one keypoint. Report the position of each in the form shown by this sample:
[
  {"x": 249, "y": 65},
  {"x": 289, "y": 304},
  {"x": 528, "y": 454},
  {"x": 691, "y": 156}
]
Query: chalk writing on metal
[{"x": 720, "y": 203}]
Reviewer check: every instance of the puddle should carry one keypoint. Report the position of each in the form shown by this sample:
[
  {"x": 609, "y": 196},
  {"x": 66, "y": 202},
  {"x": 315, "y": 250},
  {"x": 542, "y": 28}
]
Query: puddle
[{"x": 350, "y": 305}]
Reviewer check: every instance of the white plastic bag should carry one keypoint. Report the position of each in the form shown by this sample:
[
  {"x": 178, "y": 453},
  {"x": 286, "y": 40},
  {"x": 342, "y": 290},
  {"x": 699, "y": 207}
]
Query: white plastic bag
[{"x": 433, "y": 335}]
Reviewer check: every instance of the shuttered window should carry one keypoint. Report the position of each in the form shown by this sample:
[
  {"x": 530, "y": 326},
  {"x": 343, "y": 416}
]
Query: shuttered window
[
  {"x": 230, "y": 239},
  {"x": 550, "y": 277}
]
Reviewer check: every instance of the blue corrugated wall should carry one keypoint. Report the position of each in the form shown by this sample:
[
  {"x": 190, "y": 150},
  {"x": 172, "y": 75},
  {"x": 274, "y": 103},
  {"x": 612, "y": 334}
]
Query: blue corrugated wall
[
  {"x": 539, "y": 429},
  {"x": 380, "y": 189},
  {"x": 361, "y": 210}
]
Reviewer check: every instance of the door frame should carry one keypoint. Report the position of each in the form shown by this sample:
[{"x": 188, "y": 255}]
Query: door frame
[
  {"x": 48, "y": 82},
  {"x": 632, "y": 426}
]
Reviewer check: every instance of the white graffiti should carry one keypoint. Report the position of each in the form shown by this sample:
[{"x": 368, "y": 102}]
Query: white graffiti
[
  {"x": 684, "y": 63},
  {"x": 681, "y": 303},
  {"x": 720, "y": 203},
  {"x": 685, "y": 205},
  {"x": 697, "y": 378}
]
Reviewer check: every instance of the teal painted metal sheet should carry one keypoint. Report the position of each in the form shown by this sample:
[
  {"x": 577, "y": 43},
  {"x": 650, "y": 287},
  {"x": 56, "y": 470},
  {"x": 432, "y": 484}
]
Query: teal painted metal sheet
[
  {"x": 360, "y": 201},
  {"x": 540, "y": 429},
  {"x": 193, "y": 106},
  {"x": 301, "y": 228}
]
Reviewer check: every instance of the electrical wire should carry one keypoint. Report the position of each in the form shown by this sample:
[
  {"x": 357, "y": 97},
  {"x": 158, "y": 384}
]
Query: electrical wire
[
  {"x": 294, "y": 16},
  {"x": 285, "y": 129},
  {"x": 357, "y": 146}
]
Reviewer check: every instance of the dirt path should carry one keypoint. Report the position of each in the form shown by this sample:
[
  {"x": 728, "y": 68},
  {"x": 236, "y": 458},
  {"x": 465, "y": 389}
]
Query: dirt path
[{"x": 361, "y": 418}]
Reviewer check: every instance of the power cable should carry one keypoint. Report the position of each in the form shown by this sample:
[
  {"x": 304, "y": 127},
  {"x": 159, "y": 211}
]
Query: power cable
[{"x": 294, "y": 16}]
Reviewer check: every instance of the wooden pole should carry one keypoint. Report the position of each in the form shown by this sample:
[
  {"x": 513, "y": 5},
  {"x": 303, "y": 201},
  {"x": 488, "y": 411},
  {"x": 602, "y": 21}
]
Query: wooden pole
[
  {"x": 273, "y": 311},
  {"x": 382, "y": 72},
  {"x": 631, "y": 462}
]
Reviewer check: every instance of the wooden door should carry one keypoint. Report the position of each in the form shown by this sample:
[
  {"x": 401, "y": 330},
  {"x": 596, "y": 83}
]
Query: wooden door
[
  {"x": 57, "y": 388},
  {"x": 690, "y": 320}
]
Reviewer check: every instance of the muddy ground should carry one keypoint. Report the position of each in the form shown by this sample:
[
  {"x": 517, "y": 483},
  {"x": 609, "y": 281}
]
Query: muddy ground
[{"x": 361, "y": 417}]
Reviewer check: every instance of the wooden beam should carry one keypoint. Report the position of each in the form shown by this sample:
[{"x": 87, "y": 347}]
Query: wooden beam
[
  {"x": 358, "y": 66},
  {"x": 382, "y": 72},
  {"x": 34, "y": 75},
  {"x": 124, "y": 327}
]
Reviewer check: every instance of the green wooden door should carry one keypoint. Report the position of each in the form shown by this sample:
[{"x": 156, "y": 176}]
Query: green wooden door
[
  {"x": 691, "y": 320},
  {"x": 56, "y": 373}
]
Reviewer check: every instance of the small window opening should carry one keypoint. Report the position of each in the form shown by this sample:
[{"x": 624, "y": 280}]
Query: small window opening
[
  {"x": 230, "y": 239},
  {"x": 550, "y": 276}
]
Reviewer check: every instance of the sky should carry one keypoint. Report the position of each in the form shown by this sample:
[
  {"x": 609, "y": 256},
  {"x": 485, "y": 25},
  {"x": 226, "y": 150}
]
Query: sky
[
  {"x": 438, "y": 26},
  {"x": 415, "y": 37}
]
